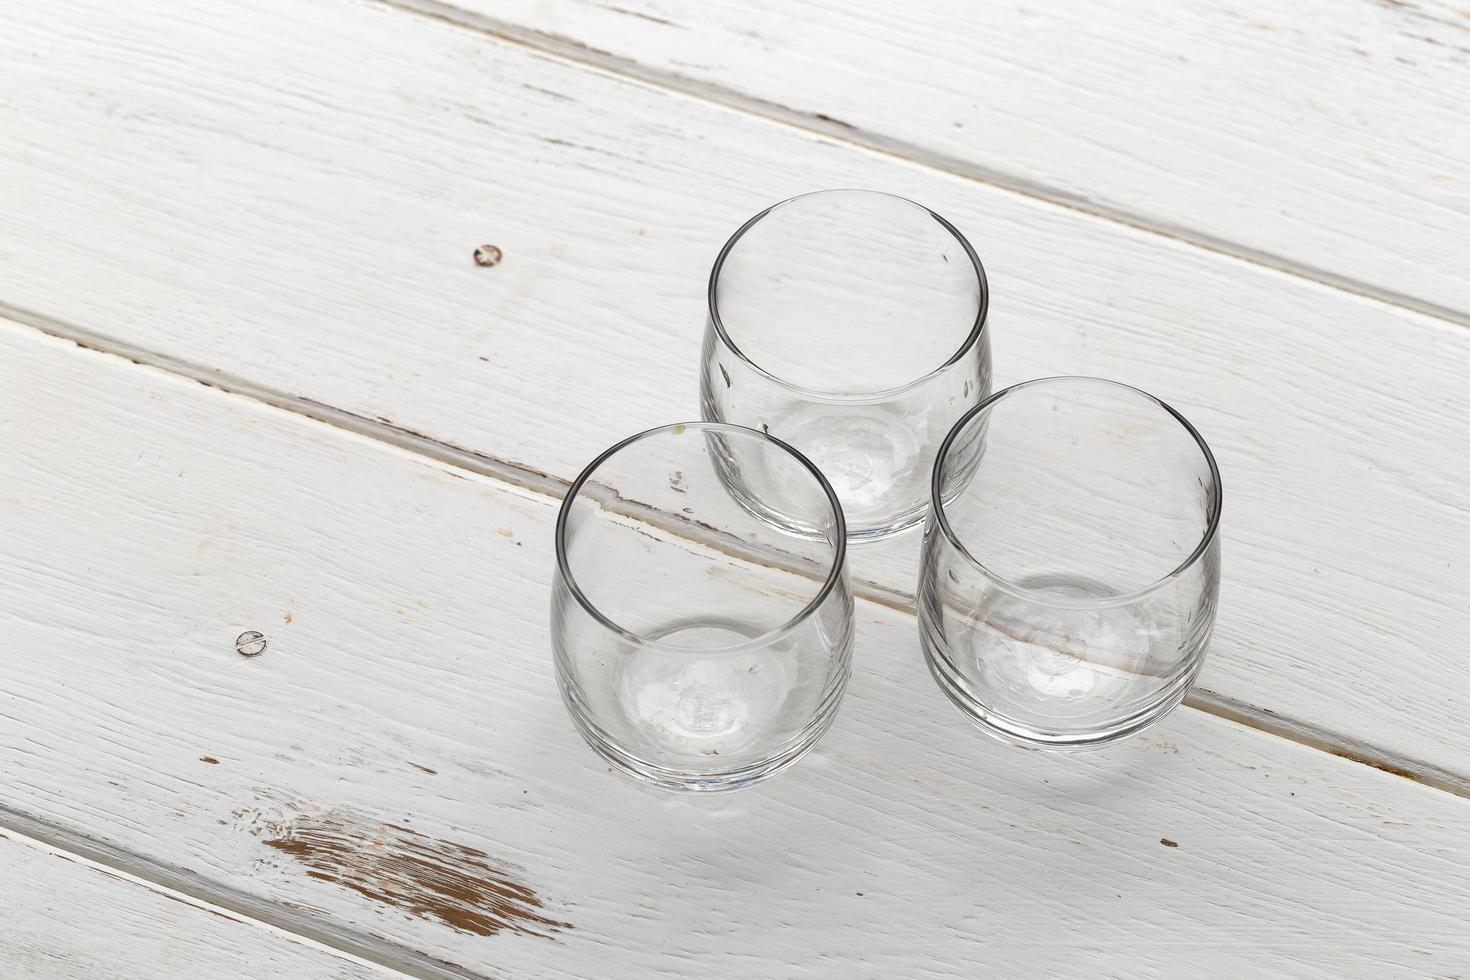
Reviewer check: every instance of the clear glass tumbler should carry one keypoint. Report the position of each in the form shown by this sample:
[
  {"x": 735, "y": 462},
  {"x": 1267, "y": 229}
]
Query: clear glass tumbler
[
  {"x": 1071, "y": 562},
  {"x": 697, "y": 645},
  {"x": 851, "y": 324}
]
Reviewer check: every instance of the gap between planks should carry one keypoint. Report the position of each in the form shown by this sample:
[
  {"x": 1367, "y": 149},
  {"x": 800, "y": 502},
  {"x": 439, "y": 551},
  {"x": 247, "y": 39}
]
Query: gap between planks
[
  {"x": 575, "y": 52},
  {"x": 515, "y": 474},
  {"x": 201, "y": 893}
]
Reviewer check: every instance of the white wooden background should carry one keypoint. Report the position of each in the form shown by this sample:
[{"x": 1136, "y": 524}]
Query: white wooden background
[{"x": 250, "y": 378}]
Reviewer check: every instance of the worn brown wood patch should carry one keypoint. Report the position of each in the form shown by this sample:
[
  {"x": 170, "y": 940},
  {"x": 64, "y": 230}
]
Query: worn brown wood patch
[{"x": 423, "y": 876}]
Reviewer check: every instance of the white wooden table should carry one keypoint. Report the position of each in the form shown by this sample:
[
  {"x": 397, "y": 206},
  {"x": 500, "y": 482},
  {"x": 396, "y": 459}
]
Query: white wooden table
[{"x": 251, "y": 379}]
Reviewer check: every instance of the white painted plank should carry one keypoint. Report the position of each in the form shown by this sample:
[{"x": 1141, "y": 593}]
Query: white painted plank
[
  {"x": 62, "y": 916},
  {"x": 1327, "y": 137},
  {"x": 298, "y": 206},
  {"x": 406, "y": 709}
]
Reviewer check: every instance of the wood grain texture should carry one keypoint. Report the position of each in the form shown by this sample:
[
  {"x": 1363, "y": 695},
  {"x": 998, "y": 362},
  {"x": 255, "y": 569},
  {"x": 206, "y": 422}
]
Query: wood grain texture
[
  {"x": 405, "y": 710},
  {"x": 1324, "y": 137},
  {"x": 65, "y": 917},
  {"x": 299, "y": 209}
]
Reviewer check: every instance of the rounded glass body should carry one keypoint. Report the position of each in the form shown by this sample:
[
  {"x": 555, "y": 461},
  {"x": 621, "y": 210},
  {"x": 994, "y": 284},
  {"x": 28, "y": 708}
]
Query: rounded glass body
[
  {"x": 698, "y": 645},
  {"x": 851, "y": 324},
  {"x": 1071, "y": 562}
]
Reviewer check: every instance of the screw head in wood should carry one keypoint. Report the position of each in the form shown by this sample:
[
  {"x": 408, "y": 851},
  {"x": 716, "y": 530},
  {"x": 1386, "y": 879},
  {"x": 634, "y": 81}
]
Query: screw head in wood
[{"x": 250, "y": 644}]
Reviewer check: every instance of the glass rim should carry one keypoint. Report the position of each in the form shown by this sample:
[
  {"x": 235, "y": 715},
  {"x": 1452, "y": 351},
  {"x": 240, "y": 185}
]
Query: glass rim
[
  {"x": 977, "y": 329},
  {"x": 834, "y": 573},
  {"x": 936, "y": 497}
]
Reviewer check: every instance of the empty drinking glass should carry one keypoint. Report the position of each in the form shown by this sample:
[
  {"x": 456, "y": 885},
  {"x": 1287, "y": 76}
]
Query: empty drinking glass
[
  {"x": 1071, "y": 562},
  {"x": 851, "y": 324},
  {"x": 698, "y": 645}
]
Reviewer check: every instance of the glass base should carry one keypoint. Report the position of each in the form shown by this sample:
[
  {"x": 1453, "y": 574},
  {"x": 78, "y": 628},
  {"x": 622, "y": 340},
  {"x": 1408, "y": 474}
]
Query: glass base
[
  {"x": 860, "y": 534},
  {"x": 697, "y": 716},
  {"x": 861, "y": 528},
  {"x": 720, "y": 782},
  {"x": 1013, "y": 732},
  {"x": 867, "y": 452}
]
